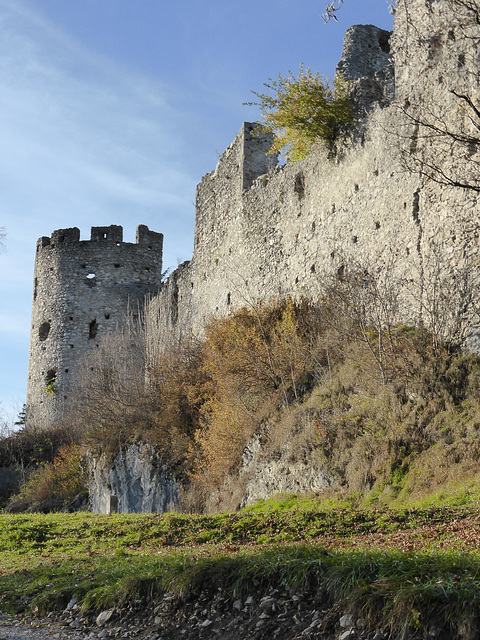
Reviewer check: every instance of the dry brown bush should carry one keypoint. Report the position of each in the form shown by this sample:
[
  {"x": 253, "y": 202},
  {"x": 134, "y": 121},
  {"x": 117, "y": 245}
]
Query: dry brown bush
[{"x": 55, "y": 485}]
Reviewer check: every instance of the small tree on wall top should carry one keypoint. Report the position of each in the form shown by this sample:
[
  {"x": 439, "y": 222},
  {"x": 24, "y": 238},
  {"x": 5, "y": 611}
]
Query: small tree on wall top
[{"x": 303, "y": 110}]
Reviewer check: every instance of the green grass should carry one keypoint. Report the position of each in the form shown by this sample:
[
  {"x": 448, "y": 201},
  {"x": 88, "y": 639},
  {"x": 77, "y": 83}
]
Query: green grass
[{"x": 104, "y": 561}]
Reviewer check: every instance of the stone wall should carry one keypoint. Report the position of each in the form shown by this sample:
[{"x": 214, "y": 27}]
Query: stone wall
[{"x": 280, "y": 231}]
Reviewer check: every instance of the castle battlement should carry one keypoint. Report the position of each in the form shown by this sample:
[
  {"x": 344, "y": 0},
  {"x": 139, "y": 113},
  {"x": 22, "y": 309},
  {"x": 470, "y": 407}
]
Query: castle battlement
[{"x": 112, "y": 233}]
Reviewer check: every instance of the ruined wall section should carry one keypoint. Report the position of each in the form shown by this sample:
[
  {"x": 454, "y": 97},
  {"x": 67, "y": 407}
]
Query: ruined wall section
[
  {"x": 82, "y": 290},
  {"x": 299, "y": 221}
]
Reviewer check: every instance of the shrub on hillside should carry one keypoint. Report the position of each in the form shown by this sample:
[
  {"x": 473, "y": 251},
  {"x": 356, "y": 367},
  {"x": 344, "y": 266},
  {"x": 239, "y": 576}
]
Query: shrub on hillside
[
  {"x": 256, "y": 360},
  {"x": 56, "y": 485}
]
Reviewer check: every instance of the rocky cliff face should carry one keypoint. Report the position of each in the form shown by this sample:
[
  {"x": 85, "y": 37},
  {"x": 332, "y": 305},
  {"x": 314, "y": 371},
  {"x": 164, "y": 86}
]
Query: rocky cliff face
[{"x": 135, "y": 481}]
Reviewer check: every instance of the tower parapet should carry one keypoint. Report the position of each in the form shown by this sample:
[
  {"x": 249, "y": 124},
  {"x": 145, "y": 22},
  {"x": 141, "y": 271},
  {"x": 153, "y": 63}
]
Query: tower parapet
[{"x": 82, "y": 289}]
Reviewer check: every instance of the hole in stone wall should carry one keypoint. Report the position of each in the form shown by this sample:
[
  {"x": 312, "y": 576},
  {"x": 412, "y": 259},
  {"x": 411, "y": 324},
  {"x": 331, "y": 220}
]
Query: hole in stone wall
[
  {"x": 116, "y": 265},
  {"x": 461, "y": 60},
  {"x": 377, "y": 225},
  {"x": 70, "y": 318},
  {"x": 313, "y": 227},
  {"x": 107, "y": 316},
  {"x": 66, "y": 370},
  {"x": 312, "y": 269},
  {"x": 50, "y": 379},
  {"x": 43, "y": 331},
  {"x": 356, "y": 187},
  {"x": 299, "y": 187},
  {"x": 35, "y": 285},
  {"x": 384, "y": 42},
  {"x": 416, "y": 207},
  {"x": 341, "y": 272},
  {"x": 92, "y": 329},
  {"x": 147, "y": 268},
  {"x": 61, "y": 239},
  {"x": 91, "y": 280},
  {"x": 228, "y": 298}
]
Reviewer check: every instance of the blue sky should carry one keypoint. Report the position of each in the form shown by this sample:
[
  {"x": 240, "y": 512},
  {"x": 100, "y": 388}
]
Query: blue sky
[{"x": 112, "y": 110}]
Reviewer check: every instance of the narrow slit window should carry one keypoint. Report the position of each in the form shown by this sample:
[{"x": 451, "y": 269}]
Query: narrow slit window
[{"x": 92, "y": 330}]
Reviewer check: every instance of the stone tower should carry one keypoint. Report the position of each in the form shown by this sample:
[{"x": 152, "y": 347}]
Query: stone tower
[{"x": 82, "y": 289}]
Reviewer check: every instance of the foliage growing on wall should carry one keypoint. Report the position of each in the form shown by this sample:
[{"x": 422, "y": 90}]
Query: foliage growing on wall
[{"x": 302, "y": 110}]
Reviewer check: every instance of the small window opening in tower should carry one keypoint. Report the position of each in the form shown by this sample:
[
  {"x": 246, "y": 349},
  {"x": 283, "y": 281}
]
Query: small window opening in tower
[
  {"x": 229, "y": 298},
  {"x": 43, "y": 331},
  {"x": 50, "y": 380},
  {"x": 116, "y": 265},
  {"x": 107, "y": 316},
  {"x": 92, "y": 330},
  {"x": 91, "y": 280}
]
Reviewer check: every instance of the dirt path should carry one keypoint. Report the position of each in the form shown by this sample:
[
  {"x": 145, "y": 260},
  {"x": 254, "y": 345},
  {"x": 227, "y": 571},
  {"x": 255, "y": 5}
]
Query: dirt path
[{"x": 17, "y": 628}]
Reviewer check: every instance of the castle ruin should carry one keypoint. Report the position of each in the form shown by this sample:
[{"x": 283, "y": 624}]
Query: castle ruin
[
  {"x": 82, "y": 290},
  {"x": 397, "y": 198}
]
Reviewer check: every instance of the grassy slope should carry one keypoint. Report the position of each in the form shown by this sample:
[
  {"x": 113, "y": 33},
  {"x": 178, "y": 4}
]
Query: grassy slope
[{"x": 403, "y": 566}]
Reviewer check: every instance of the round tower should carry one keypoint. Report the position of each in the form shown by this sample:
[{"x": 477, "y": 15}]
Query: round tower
[{"x": 82, "y": 289}]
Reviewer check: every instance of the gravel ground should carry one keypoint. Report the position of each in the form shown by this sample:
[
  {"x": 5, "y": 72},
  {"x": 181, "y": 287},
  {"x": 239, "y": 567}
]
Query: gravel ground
[{"x": 19, "y": 628}]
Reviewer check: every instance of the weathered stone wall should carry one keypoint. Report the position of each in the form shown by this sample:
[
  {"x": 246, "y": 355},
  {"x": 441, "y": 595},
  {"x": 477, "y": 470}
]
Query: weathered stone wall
[
  {"x": 82, "y": 289},
  {"x": 296, "y": 222}
]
